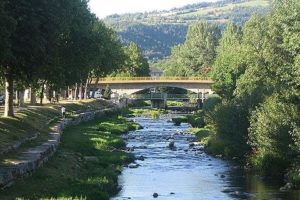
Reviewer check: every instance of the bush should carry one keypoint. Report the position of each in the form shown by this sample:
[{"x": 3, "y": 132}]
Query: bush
[
  {"x": 269, "y": 164},
  {"x": 230, "y": 122},
  {"x": 203, "y": 134},
  {"x": 177, "y": 121},
  {"x": 196, "y": 120},
  {"x": 211, "y": 102},
  {"x": 274, "y": 134}
]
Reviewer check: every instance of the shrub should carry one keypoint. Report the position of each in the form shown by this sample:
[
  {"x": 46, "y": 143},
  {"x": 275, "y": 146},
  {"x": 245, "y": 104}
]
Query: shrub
[{"x": 273, "y": 134}]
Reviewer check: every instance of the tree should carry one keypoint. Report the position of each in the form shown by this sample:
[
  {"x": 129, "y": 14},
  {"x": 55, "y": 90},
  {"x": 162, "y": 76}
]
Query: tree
[
  {"x": 261, "y": 99},
  {"x": 257, "y": 82},
  {"x": 198, "y": 51},
  {"x": 27, "y": 43},
  {"x": 8, "y": 25},
  {"x": 274, "y": 131},
  {"x": 109, "y": 55},
  {"x": 136, "y": 64},
  {"x": 229, "y": 63}
]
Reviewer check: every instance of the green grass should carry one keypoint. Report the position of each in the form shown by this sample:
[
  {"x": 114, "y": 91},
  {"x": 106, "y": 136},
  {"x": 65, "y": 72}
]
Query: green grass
[
  {"x": 154, "y": 113},
  {"x": 37, "y": 119},
  {"x": 203, "y": 134},
  {"x": 67, "y": 175},
  {"x": 175, "y": 103}
]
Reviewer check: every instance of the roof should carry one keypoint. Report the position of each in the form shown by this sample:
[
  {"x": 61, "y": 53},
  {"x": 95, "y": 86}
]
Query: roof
[{"x": 155, "y": 70}]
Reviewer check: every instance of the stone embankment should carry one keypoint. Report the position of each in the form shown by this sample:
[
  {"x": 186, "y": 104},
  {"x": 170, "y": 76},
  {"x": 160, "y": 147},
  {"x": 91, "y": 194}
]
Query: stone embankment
[{"x": 33, "y": 158}]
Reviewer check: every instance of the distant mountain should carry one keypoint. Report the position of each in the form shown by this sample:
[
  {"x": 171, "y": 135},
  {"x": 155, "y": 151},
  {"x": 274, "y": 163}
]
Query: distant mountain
[{"x": 158, "y": 31}]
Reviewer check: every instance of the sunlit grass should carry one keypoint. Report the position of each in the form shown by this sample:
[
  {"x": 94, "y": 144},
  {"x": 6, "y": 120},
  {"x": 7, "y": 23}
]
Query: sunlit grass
[
  {"x": 36, "y": 121},
  {"x": 68, "y": 175}
]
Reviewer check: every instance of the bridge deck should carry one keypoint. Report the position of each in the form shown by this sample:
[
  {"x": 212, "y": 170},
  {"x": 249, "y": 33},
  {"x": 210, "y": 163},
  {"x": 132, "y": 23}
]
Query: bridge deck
[{"x": 129, "y": 80}]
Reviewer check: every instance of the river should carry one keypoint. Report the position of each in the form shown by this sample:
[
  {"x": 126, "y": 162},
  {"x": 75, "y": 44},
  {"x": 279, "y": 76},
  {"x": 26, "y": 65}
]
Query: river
[{"x": 184, "y": 172}]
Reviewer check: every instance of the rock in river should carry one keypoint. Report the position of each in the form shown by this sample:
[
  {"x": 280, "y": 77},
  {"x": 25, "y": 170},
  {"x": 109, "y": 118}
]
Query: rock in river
[{"x": 133, "y": 165}]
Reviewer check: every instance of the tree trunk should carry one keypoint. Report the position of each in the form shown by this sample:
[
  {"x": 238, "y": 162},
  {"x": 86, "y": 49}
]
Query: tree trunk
[
  {"x": 86, "y": 88},
  {"x": 57, "y": 96},
  {"x": 73, "y": 93},
  {"x": 76, "y": 91},
  {"x": 9, "y": 97},
  {"x": 47, "y": 92},
  {"x": 80, "y": 91},
  {"x": 17, "y": 97},
  {"x": 42, "y": 93},
  {"x": 68, "y": 92},
  {"x": 32, "y": 95},
  {"x": 95, "y": 87},
  {"x": 63, "y": 93},
  {"x": 21, "y": 98}
]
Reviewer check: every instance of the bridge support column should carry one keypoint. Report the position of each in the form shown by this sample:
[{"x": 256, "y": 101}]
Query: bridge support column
[
  {"x": 158, "y": 103},
  {"x": 199, "y": 103}
]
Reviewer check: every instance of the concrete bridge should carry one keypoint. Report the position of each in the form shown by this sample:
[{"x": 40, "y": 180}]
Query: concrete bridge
[{"x": 131, "y": 85}]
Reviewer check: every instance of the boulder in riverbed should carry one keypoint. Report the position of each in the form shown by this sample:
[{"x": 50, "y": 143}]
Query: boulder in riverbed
[
  {"x": 141, "y": 158},
  {"x": 286, "y": 187},
  {"x": 133, "y": 165},
  {"x": 172, "y": 145}
]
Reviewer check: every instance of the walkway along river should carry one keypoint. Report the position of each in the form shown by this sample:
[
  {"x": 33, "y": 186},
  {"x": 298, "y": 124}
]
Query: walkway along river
[{"x": 185, "y": 172}]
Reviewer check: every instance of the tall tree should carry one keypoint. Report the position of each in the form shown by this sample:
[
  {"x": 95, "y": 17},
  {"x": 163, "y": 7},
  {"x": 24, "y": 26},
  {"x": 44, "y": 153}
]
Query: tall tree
[
  {"x": 198, "y": 51},
  {"x": 27, "y": 41},
  {"x": 8, "y": 25},
  {"x": 136, "y": 64},
  {"x": 229, "y": 63},
  {"x": 109, "y": 55}
]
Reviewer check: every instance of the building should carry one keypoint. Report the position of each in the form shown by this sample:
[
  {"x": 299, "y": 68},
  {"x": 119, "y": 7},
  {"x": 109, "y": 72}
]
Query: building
[{"x": 155, "y": 72}]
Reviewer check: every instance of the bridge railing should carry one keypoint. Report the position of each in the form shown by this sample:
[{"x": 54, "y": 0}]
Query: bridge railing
[{"x": 162, "y": 78}]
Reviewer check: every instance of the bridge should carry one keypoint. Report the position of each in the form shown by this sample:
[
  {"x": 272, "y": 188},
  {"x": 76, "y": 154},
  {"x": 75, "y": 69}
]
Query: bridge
[
  {"x": 162, "y": 96},
  {"x": 132, "y": 85}
]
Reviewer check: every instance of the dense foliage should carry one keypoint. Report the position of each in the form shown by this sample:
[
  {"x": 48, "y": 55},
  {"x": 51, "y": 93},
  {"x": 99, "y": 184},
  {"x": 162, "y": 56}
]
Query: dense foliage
[
  {"x": 198, "y": 51},
  {"x": 43, "y": 43},
  {"x": 256, "y": 73},
  {"x": 135, "y": 64}
]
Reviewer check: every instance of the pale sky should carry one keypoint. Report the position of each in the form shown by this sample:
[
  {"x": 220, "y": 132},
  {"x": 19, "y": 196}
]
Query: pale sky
[{"x": 102, "y": 8}]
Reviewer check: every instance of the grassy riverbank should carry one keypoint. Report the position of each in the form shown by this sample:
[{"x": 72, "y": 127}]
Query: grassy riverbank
[
  {"x": 38, "y": 119},
  {"x": 85, "y": 166}
]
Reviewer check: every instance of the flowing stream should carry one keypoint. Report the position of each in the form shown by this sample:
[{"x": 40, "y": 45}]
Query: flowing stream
[{"x": 185, "y": 172}]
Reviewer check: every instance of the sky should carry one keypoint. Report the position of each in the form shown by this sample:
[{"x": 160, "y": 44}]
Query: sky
[{"x": 103, "y": 8}]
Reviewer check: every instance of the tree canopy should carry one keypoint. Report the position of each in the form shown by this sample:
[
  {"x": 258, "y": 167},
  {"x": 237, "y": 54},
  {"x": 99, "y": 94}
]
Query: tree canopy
[
  {"x": 256, "y": 73},
  {"x": 198, "y": 51},
  {"x": 42, "y": 42}
]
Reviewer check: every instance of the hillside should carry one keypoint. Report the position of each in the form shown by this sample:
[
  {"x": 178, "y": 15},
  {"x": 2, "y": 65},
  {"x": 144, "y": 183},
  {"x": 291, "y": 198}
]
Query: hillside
[{"x": 156, "y": 32}]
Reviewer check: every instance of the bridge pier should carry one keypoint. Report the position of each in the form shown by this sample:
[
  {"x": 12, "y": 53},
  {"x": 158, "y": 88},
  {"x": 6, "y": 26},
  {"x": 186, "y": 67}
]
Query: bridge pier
[
  {"x": 158, "y": 100},
  {"x": 158, "y": 103}
]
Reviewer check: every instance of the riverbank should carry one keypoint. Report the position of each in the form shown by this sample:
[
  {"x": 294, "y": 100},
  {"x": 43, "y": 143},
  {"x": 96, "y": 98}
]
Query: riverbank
[
  {"x": 85, "y": 166},
  {"x": 32, "y": 123},
  {"x": 231, "y": 150}
]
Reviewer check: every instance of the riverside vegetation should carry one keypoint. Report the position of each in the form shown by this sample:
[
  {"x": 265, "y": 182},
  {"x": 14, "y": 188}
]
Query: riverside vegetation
[
  {"x": 254, "y": 115},
  {"x": 85, "y": 166}
]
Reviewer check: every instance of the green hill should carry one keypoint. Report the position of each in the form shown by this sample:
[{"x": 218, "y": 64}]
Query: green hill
[{"x": 156, "y": 32}]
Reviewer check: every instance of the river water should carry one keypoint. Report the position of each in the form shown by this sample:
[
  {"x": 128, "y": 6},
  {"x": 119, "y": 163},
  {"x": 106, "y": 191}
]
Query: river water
[{"x": 184, "y": 172}]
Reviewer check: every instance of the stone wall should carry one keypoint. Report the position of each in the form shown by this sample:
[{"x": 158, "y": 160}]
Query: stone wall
[{"x": 33, "y": 158}]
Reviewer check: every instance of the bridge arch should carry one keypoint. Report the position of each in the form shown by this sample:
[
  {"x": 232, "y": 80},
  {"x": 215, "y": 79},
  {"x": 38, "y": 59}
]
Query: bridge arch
[
  {"x": 131, "y": 85},
  {"x": 138, "y": 90}
]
